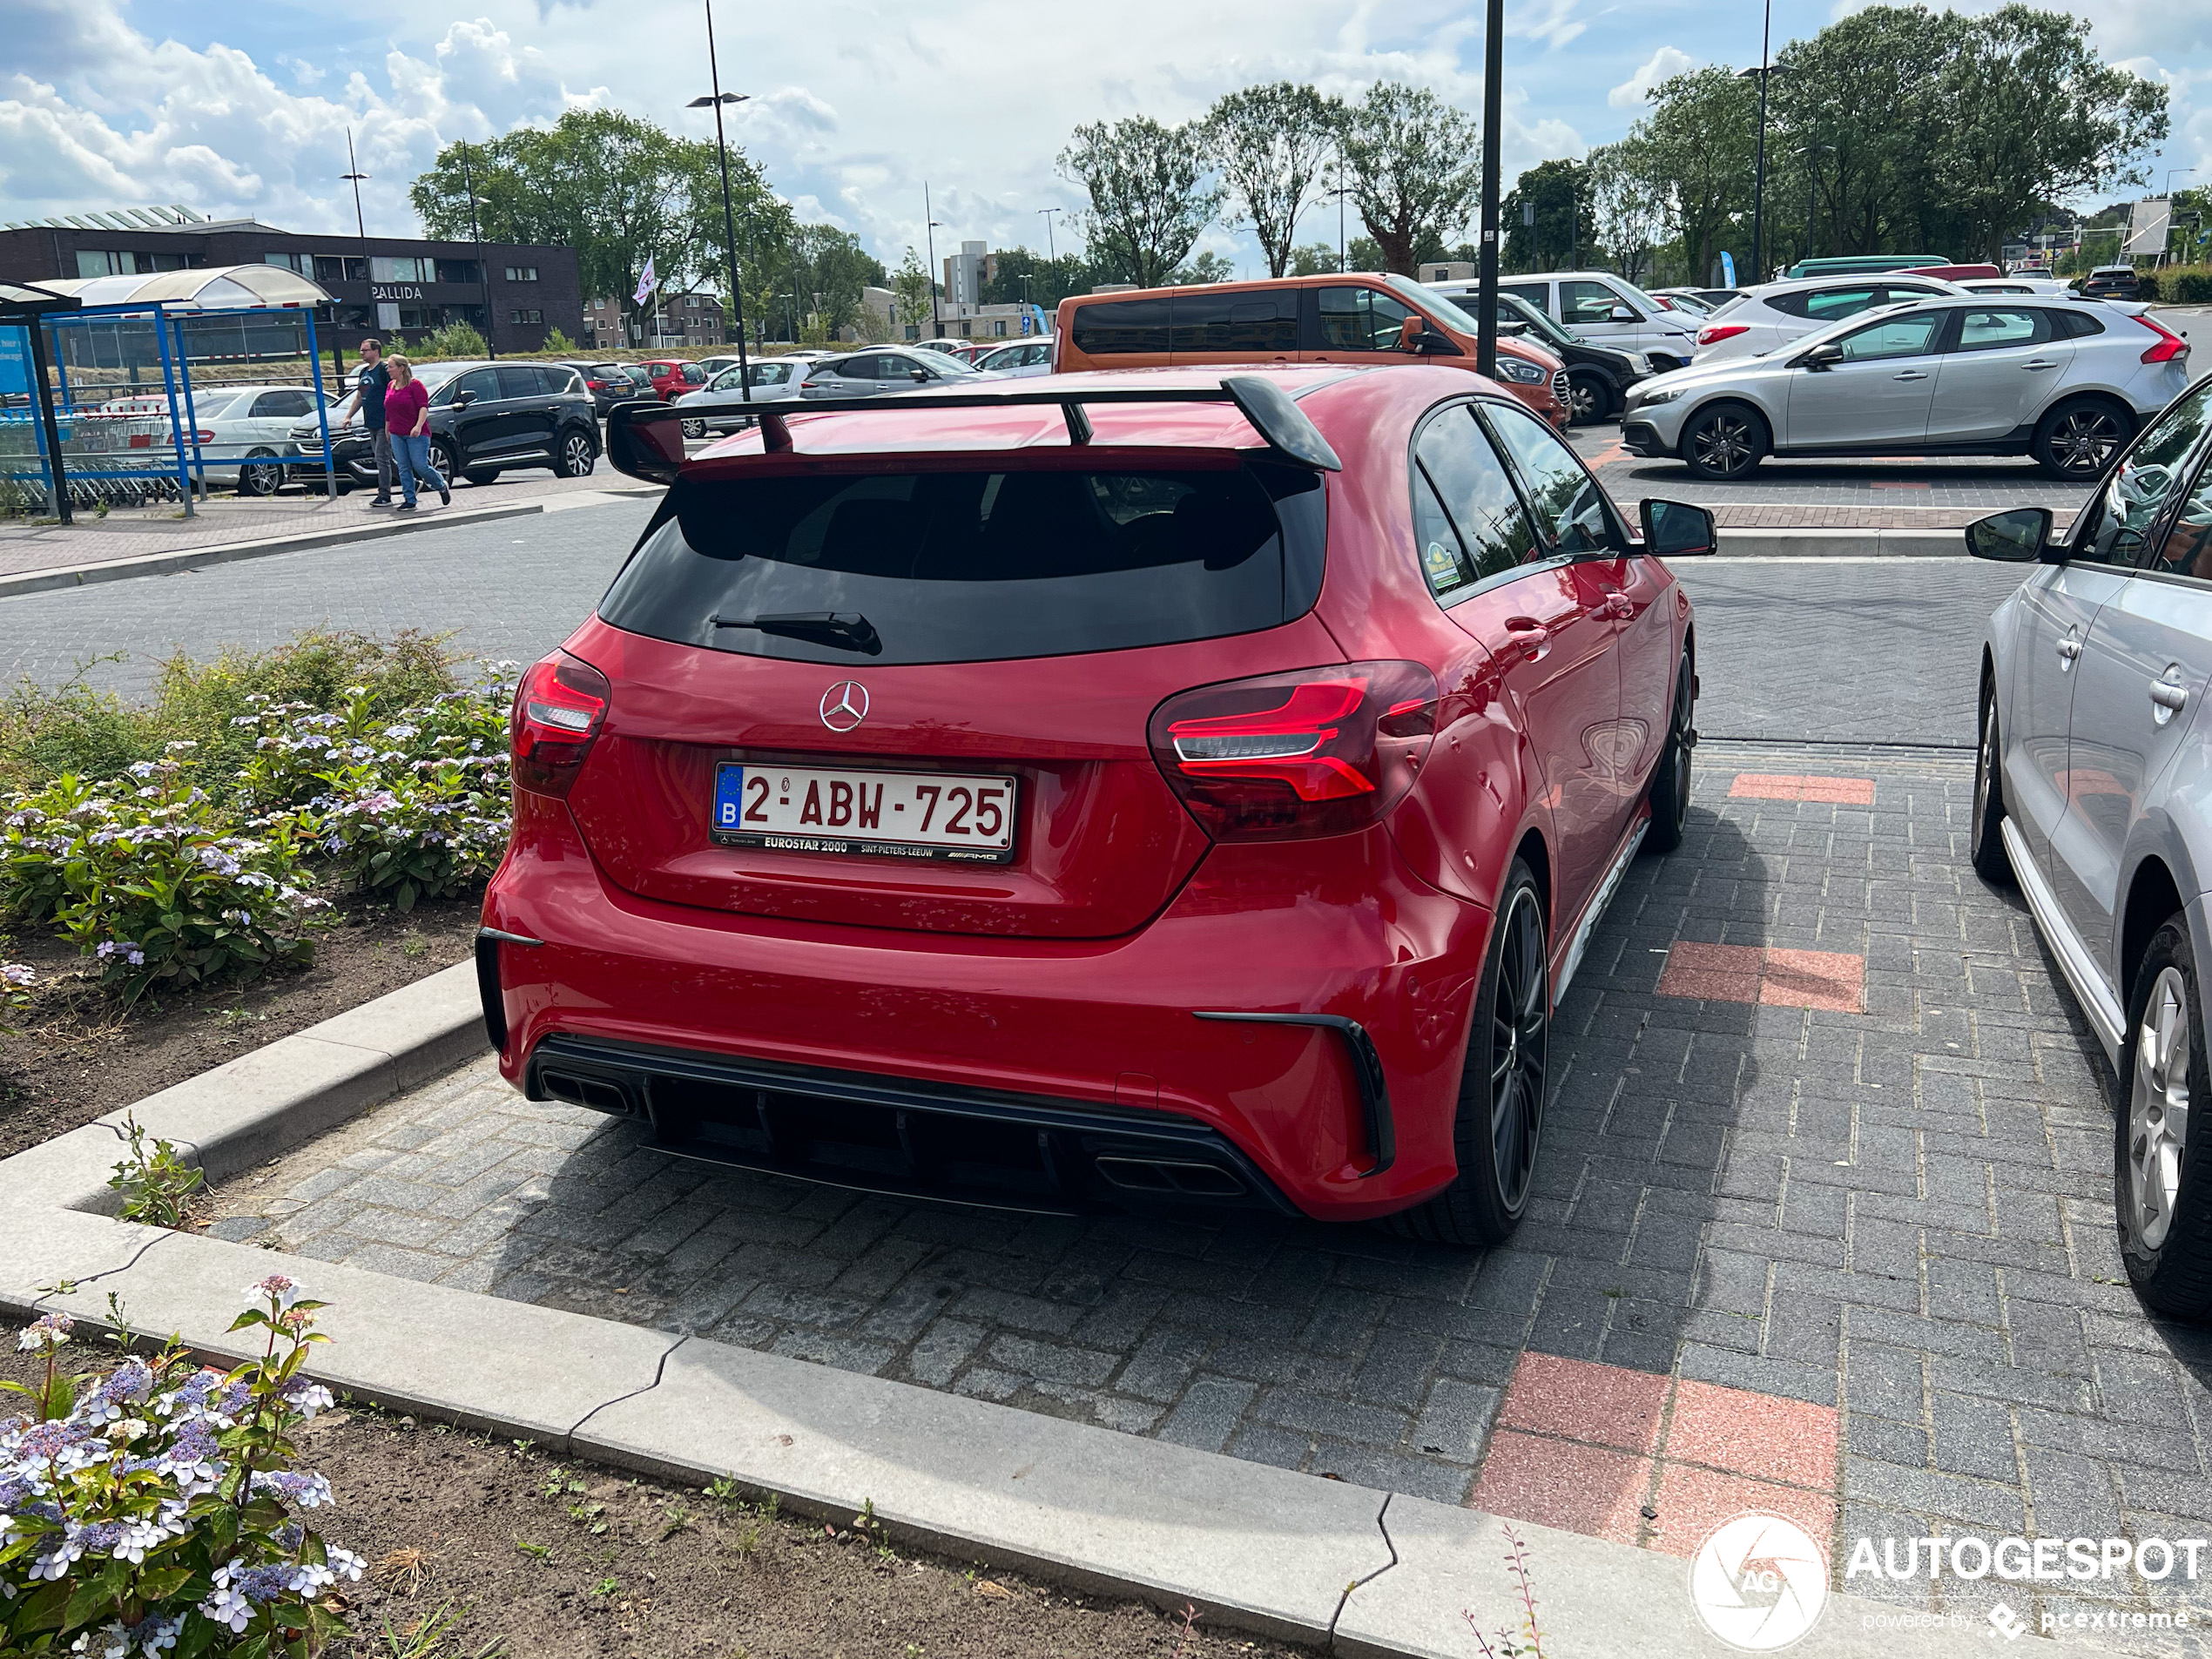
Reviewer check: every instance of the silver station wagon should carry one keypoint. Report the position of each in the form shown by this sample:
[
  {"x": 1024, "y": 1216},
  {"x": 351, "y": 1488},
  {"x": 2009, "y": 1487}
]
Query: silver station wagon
[{"x": 2094, "y": 789}]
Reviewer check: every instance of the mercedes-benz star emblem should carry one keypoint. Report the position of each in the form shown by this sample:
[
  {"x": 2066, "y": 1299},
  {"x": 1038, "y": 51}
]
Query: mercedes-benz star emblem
[{"x": 844, "y": 706}]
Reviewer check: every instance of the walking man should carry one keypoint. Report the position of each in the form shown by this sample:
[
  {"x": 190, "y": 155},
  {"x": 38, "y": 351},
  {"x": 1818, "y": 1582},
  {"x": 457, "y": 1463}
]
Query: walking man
[
  {"x": 406, "y": 413},
  {"x": 374, "y": 380}
]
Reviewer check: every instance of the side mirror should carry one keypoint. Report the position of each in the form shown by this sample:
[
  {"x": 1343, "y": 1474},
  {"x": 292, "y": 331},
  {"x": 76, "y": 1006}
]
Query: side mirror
[
  {"x": 1674, "y": 529},
  {"x": 1625, "y": 313},
  {"x": 1433, "y": 342},
  {"x": 1409, "y": 334},
  {"x": 1824, "y": 356},
  {"x": 918, "y": 375},
  {"x": 647, "y": 440},
  {"x": 2021, "y": 537},
  {"x": 463, "y": 399},
  {"x": 1513, "y": 329}
]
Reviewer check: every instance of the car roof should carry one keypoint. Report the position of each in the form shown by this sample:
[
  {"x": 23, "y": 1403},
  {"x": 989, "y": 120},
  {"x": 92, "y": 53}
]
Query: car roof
[{"x": 1849, "y": 279}]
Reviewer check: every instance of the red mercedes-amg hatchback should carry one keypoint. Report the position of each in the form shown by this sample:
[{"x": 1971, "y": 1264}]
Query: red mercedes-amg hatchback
[{"x": 1118, "y": 789}]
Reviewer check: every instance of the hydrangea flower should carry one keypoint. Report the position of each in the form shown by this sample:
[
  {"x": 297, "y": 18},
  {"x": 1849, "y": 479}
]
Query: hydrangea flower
[
  {"x": 303, "y": 1487},
  {"x": 44, "y": 1334}
]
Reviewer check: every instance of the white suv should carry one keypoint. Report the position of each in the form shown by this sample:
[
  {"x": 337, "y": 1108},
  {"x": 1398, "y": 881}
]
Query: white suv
[
  {"x": 1774, "y": 314},
  {"x": 1608, "y": 310}
]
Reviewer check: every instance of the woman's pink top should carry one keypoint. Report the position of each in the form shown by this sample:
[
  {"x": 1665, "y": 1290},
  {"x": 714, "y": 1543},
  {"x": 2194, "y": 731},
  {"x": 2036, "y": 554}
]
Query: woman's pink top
[{"x": 403, "y": 408}]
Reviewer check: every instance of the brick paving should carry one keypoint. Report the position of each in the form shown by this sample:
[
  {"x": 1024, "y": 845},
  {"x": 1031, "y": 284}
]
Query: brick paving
[{"x": 1755, "y": 1225}]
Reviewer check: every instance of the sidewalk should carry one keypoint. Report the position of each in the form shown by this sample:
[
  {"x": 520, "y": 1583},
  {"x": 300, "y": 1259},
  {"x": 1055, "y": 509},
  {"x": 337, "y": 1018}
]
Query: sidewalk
[{"x": 152, "y": 541}]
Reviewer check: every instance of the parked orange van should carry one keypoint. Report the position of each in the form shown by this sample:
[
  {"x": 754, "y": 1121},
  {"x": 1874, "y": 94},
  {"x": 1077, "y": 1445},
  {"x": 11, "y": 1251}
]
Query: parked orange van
[{"x": 1356, "y": 318}]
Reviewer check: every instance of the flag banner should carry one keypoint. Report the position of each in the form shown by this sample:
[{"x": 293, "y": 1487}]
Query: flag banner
[{"x": 646, "y": 283}]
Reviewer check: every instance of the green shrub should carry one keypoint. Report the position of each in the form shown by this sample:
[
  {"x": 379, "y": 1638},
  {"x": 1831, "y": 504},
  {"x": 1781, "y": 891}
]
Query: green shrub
[
  {"x": 454, "y": 340},
  {"x": 557, "y": 344}
]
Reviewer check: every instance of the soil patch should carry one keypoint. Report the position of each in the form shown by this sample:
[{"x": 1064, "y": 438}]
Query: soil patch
[
  {"x": 537, "y": 1558},
  {"x": 73, "y": 1056}
]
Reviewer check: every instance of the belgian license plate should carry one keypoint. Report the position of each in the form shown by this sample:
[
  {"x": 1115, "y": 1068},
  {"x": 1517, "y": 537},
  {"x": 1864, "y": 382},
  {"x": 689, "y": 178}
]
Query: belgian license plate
[{"x": 886, "y": 814}]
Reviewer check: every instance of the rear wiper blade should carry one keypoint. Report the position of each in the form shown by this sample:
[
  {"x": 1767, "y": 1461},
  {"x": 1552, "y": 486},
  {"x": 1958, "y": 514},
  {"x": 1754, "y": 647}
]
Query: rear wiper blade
[{"x": 843, "y": 630}]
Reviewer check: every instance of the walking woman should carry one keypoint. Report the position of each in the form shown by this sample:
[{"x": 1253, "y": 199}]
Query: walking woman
[{"x": 406, "y": 413}]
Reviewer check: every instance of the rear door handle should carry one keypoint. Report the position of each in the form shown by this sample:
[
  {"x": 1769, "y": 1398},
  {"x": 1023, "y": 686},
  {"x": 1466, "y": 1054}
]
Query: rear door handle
[
  {"x": 2040, "y": 362},
  {"x": 2070, "y": 648},
  {"x": 2169, "y": 697},
  {"x": 1910, "y": 374},
  {"x": 1532, "y": 637}
]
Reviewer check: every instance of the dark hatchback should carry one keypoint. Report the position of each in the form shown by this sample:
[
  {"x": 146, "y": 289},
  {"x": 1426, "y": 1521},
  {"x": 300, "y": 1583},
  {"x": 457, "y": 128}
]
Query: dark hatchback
[
  {"x": 486, "y": 418},
  {"x": 2111, "y": 282},
  {"x": 606, "y": 383}
]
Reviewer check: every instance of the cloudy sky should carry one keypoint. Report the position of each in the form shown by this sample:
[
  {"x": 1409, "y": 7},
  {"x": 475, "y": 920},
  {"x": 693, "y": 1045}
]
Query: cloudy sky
[{"x": 235, "y": 106}]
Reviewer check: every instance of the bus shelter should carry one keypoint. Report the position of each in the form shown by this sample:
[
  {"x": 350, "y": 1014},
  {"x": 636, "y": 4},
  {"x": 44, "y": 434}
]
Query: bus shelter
[{"x": 115, "y": 368}]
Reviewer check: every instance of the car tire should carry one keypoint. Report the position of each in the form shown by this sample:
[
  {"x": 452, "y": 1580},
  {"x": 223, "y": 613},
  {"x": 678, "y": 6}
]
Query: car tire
[
  {"x": 1725, "y": 442},
  {"x": 262, "y": 480},
  {"x": 2076, "y": 440},
  {"x": 1986, "y": 828},
  {"x": 1669, "y": 790},
  {"x": 441, "y": 460},
  {"x": 1590, "y": 396},
  {"x": 2160, "y": 1185},
  {"x": 576, "y": 456},
  {"x": 694, "y": 428},
  {"x": 1502, "y": 1084},
  {"x": 481, "y": 474}
]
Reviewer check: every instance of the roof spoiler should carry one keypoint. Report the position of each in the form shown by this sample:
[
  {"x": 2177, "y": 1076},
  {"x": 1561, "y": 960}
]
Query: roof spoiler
[{"x": 645, "y": 439}]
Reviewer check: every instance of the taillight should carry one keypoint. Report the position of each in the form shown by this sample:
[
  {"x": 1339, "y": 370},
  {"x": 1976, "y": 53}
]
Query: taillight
[
  {"x": 1285, "y": 756},
  {"x": 558, "y": 708},
  {"x": 1721, "y": 331},
  {"x": 2170, "y": 347}
]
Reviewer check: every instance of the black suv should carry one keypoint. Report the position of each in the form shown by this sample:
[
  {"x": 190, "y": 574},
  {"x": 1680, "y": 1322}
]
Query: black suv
[
  {"x": 2110, "y": 282},
  {"x": 485, "y": 419},
  {"x": 1598, "y": 377}
]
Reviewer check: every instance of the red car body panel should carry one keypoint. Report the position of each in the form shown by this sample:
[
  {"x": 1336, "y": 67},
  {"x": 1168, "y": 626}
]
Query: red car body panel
[
  {"x": 1073, "y": 973},
  {"x": 668, "y": 379}
]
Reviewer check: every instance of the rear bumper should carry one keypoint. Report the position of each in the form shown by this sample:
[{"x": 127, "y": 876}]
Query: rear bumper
[{"x": 1079, "y": 1049}]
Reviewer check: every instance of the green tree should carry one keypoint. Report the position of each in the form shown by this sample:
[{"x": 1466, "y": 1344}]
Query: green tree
[
  {"x": 1629, "y": 204},
  {"x": 1271, "y": 143},
  {"x": 1314, "y": 259},
  {"x": 1566, "y": 226},
  {"x": 833, "y": 267},
  {"x": 1700, "y": 134},
  {"x": 1021, "y": 275},
  {"x": 1415, "y": 169},
  {"x": 617, "y": 190},
  {"x": 1151, "y": 194},
  {"x": 912, "y": 290},
  {"x": 1208, "y": 267},
  {"x": 2032, "y": 114}
]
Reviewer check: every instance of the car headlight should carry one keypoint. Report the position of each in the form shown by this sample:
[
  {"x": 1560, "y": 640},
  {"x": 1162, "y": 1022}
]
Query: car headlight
[
  {"x": 1640, "y": 362},
  {"x": 1512, "y": 368},
  {"x": 1662, "y": 394}
]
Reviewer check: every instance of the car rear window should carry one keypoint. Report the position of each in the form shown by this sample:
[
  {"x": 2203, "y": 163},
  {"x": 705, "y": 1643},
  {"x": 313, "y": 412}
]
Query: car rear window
[
  {"x": 977, "y": 565},
  {"x": 1118, "y": 325}
]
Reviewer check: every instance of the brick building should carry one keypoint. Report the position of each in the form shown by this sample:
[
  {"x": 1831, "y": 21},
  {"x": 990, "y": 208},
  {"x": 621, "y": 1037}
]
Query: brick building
[
  {"x": 684, "y": 320},
  {"x": 512, "y": 295}
]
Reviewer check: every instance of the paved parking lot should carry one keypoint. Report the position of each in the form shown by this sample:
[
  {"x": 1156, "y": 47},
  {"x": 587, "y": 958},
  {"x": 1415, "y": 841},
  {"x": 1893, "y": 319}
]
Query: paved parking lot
[{"x": 1824, "y": 1228}]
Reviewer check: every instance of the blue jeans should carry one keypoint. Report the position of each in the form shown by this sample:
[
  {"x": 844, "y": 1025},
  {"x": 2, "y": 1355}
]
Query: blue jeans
[{"x": 412, "y": 456}]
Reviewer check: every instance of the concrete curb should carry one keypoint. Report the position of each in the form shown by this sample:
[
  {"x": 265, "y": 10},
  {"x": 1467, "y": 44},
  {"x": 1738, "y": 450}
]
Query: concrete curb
[
  {"x": 78, "y": 576},
  {"x": 1815, "y": 543},
  {"x": 1255, "y": 1548}
]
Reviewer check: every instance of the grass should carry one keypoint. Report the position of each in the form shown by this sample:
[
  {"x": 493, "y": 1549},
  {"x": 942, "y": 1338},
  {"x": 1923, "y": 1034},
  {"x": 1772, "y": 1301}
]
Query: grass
[{"x": 92, "y": 734}]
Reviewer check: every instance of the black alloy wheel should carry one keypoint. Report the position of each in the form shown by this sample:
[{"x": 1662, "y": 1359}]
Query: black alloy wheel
[
  {"x": 1500, "y": 1122},
  {"x": 576, "y": 456},
  {"x": 1726, "y": 443},
  {"x": 1669, "y": 791},
  {"x": 1985, "y": 834},
  {"x": 2077, "y": 443},
  {"x": 1589, "y": 398}
]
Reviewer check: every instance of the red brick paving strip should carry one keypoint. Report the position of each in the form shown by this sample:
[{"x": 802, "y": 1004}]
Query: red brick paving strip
[
  {"x": 1835, "y": 792},
  {"x": 1555, "y": 1457},
  {"x": 1829, "y": 980}
]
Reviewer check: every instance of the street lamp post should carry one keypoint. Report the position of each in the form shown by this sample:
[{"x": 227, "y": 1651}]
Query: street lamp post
[
  {"x": 354, "y": 175},
  {"x": 1051, "y": 252},
  {"x": 1493, "y": 69},
  {"x": 729, "y": 217},
  {"x": 476, "y": 241},
  {"x": 1758, "y": 170},
  {"x": 929, "y": 235}
]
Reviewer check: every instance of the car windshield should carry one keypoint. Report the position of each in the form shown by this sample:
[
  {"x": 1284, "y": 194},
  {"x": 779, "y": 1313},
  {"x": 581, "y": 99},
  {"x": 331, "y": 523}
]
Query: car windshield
[
  {"x": 433, "y": 375},
  {"x": 1436, "y": 305},
  {"x": 211, "y": 406},
  {"x": 951, "y": 364},
  {"x": 1690, "y": 303},
  {"x": 1512, "y": 308},
  {"x": 979, "y": 565}
]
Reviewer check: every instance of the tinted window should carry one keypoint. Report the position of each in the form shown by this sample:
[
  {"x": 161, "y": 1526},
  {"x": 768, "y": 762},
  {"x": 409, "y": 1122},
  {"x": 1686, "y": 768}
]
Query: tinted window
[
  {"x": 855, "y": 368},
  {"x": 1246, "y": 322},
  {"x": 1828, "y": 304},
  {"x": 1897, "y": 337},
  {"x": 520, "y": 380},
  {"x": 1361, "y": 319},
  {"x": 1995, "y": 329},
  {"x": 1122, "y": 325},
  {"x": 2077, "y": 325},
  {"x": 2114, "y": 526},
  {"x": 288, "y": 404},
  {"x": 483, "y": 383},
  {"x": 1536, "y": 293},
  {"x": 1587, "y": 302},
  {"x": 1569, "y": 509},
  {"x": 980, "y": 566},
  {"x": 694, "y": 375},
  {"x": 1444, "y": 558},
  {"x": 2187, "y": 550},
  {"x": 1472, "y": 483}
]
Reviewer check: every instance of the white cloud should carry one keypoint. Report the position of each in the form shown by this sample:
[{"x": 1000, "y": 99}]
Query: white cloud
[
  {"x": 1550, "y": 21},
  {"x": 1663, "y": 64}
]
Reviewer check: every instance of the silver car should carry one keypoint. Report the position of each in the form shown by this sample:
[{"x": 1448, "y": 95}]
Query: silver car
[
  {"x": 1021, "y": 359},
  {"x": 877, "y": 369},
  {"x": 1769, "y": 317},
  {"x": 2094, "y": 790},
  {"x": 2067, "y": 380},
  {"x": 722, "y": 406}
]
